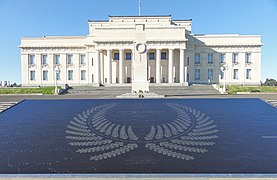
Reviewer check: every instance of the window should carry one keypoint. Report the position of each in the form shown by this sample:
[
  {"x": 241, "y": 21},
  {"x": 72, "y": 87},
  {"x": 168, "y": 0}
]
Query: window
[
  {"x": 197, "y": 58},
  {"x": 197, "y": 74},
  {"x": 57, "y": 59},
  {"x": 70, "y": 75},
  {"x": 235, "y": 58},
  {"x": 210, "y": 74},
  {"x": 248, "y": 57},
  {"x": 83, "y": 74},
  {"x": 221, "y": 74},
  {"x": 222, "y": 58},
  {"x": 82, "y": 58},
  {"x": 163, "y": 56},
  {"x": 188, "y": 61},
  {"x": 32, "y": 75},
  {"x": 210, "y": 58},
  {"x": 58, "y": 76},
  {"x": 128, "y": 56},
  {"x": 44, "y": 75},
  {"x": 69, "y": 58},
  {"x": 248, "y": 73},
  {"x": 31, "y": 59},
  {"x": 151, "y": 56},
  {"x": 116, "y": 56},
  {"x": 236, "y": 74},
  {"x": 44, "y": 59},
  {"x": 91, "y": 61}
]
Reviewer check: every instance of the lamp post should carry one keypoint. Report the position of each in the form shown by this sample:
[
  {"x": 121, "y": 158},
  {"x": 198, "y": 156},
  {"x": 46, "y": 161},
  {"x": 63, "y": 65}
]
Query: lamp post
[
  {"x": 57, "y": 70},
  {"x": 224, "y": 69}
]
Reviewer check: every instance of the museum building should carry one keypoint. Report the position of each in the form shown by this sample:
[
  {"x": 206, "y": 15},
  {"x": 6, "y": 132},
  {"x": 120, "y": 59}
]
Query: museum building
[{"x": 175, "y": 56}]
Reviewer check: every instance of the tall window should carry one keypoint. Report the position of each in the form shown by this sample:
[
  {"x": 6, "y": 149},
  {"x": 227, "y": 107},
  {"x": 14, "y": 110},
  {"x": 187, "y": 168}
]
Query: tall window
[
  {"x": 197, "y": 74},
  {"x": 163, "y": 56},
  {"x": 248, "y": 57},
  {"x": 83, "y": 74},
  {"x": 57, "y": 59},
  {"x": 116, "y": 56},
  {"x": 210, "y": 58},
  {"x": 222, "y": 74},
  {"x": 70, "y": 75},
  {"x": 69, "y": 58},
  {"x": 248, "y": 73},
  {"x": 210, "y": 74},
  {"x": 44, "y": 59},
  {"x": 91, "y": 61},
  {"x": 82, "y": 58},
  {"x": 222, "y": 58},
  {"x": 235, "y": 58},
  {"x": 31, "y": 59},
  {"x": 236, "y": 74},
  {"x": 32, "y": 75},
  {"x": 58, "y": 75},
  {"x": 197, "y": 58},
  {"x": 44, "y": 75},
  {"x": 151, "y": 56},
  {"x": 188, "y": 61},
  {"x": 128, "y": 56}
]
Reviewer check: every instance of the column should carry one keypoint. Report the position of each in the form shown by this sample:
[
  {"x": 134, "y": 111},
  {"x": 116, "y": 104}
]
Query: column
[
  {"x": 109, "y": 74},
  {"x": 170, "y": 66},
  {"x": 121, "y": 68},
  {"x": 158, "y": 66},
  {"x": 182, "y": 64},
  {"x": 97, "y": 67}
]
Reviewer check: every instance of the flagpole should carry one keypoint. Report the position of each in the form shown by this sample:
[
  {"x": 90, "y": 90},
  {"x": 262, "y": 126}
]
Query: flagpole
[{"x": 139, "y": 7}]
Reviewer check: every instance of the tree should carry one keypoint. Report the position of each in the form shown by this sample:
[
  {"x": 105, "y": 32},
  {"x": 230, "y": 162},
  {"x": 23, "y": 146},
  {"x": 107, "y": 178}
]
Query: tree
[{"x": 270, "y": 82}]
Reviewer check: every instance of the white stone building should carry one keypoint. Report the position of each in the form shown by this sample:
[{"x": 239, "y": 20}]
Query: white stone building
[{"x": 175, "y": 55}]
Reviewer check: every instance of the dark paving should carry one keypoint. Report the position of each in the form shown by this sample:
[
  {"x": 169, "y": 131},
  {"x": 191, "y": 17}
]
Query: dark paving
[{"x": 139, "y": 136}]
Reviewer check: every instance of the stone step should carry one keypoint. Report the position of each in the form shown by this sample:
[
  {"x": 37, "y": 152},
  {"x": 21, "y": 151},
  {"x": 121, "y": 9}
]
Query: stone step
[
  {"x": 6, "y": 105},
  {"x": 272, "y": 102}
]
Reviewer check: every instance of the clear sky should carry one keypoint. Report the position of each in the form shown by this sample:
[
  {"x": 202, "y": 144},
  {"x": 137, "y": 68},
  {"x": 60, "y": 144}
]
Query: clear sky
[{"x": 25, "y": 18}]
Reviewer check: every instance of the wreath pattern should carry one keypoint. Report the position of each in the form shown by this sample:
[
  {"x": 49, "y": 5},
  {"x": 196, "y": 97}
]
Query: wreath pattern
[{"x": 189, "y": 134}]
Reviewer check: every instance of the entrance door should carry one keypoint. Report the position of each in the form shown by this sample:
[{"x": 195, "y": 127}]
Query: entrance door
[
  {"x": 129, "y": 80},
  {"x": 151, "y": 79}
]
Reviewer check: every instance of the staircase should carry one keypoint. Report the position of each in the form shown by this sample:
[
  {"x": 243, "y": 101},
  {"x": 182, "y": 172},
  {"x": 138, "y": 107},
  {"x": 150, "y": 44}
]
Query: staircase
[
  {"x": 272, "y": 102},
  {"x": 113, "y": 91},
  {"x": 6, "y": 105},
  {"x": 108, "y": 92},
  {"x": 184, "y": 90}
]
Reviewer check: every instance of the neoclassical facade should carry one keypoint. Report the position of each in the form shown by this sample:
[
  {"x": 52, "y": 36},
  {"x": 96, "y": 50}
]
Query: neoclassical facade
[{"x": 174, "y": 55}]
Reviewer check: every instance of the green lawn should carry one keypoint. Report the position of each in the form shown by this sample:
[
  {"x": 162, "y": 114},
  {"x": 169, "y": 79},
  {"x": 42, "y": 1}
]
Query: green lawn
[
  {"x": 20, "y": 90},
  {"x": 235, "y": 89}
]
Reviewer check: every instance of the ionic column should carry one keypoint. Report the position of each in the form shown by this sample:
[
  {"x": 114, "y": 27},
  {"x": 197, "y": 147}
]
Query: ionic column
[
  {"x": 121, "y": 68},
  {"x": 158, "y": 66},
  {"x": 170, "y": 66},
  {"x": 97, "y": 67},
  {"x": 182, "y": 64},
  {"x": 109, "y": 77}
]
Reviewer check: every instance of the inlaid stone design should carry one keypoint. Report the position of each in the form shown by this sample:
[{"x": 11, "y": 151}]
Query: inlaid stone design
[{"x": 183, "y": 136}]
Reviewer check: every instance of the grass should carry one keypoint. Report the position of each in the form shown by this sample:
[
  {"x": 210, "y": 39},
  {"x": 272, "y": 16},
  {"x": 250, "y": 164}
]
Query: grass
[
  {"x": 20, "y": 90},
  {"x": 235, "y": 89}
]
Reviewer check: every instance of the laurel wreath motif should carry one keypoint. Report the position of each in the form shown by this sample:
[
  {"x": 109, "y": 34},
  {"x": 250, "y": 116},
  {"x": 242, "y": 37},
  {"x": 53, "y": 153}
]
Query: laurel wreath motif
[{"x": 189, "y": 134}]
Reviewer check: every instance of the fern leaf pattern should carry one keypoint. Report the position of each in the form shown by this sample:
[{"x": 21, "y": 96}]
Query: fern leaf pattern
[{"x": 190, "y": 133}]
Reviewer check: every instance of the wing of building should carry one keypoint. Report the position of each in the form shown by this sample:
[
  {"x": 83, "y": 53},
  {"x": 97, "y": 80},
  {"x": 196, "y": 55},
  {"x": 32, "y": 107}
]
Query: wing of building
[{"x": 175, "y": 55}]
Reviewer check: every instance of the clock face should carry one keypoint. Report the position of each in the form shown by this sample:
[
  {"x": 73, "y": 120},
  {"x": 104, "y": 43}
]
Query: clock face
[{"x": 141, "y": 48}]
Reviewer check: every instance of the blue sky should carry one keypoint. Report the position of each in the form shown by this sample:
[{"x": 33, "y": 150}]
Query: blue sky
[{"x": 25, "y": 18}]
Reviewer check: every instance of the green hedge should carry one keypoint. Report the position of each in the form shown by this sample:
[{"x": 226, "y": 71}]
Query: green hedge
[
  {"x": 235, "y": 89},
  {"x": 17, "y": 90}
]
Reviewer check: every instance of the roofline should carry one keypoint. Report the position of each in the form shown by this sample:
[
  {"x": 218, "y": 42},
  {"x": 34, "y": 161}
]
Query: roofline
[
  {"x": 182, "y": 20},
  {"x": 144, "y": 16}
]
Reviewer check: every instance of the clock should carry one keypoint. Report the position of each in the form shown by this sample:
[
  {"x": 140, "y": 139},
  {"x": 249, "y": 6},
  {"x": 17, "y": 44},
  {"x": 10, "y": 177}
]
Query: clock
[{"x": 141, "y": 48}]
